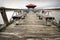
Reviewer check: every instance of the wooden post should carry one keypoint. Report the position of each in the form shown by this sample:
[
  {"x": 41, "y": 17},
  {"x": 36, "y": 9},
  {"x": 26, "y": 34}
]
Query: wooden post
[
  {"x": 59, "y": 23},
  {"x": 4, "y": 16}
]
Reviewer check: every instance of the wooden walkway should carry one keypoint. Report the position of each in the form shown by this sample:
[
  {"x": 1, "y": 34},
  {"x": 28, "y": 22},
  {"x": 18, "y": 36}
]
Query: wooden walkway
[{"x": 30, "y": 28}]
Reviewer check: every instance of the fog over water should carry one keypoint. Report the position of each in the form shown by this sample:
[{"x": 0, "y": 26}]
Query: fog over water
[
  {"x": 56, "y": 14},
  {"x": 22, "y": 3}
]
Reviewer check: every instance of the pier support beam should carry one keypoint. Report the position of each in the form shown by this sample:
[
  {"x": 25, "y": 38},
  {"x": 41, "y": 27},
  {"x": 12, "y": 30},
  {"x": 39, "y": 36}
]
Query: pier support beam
[{"x": 4, "y": 16}]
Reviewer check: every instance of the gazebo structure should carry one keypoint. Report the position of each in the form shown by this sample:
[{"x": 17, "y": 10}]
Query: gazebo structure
[{"x": 31, "y": 6}]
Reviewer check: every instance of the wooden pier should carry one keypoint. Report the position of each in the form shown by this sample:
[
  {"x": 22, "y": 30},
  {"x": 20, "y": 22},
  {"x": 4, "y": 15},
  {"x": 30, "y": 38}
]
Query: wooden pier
[{"x": 30, "y": 28}]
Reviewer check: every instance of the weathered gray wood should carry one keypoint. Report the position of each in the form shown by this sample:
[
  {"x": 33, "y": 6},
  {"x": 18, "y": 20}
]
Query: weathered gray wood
[
  {"x": 4, "y": 16},
  {"x": 30, "y": 28}
]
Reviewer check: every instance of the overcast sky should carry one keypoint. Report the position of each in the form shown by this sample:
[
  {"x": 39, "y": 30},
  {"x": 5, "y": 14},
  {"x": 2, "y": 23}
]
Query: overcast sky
[{"x": 22, "y": 3}]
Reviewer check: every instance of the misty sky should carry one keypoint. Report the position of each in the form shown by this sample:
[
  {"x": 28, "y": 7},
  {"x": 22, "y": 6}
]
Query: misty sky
[{"x": 22, "y": 3}]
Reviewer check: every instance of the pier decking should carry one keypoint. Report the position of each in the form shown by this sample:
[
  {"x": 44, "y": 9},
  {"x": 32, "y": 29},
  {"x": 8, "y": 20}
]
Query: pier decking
[{"x": 30, "y": 28}]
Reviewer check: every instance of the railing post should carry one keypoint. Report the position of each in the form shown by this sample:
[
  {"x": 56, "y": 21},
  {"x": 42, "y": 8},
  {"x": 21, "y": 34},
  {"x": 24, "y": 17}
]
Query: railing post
[
  {"x": 4, "y": 16},
  {"x": 59, "y": 23}
]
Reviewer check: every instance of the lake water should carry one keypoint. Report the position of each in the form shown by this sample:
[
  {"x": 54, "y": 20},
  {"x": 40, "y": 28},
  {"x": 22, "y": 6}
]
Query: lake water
[{"x": 55, "y": 14}]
